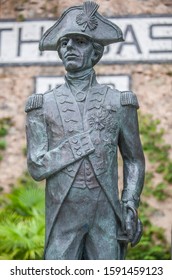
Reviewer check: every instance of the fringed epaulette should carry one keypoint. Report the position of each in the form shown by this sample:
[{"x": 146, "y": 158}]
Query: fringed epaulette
[
  {"x": 35, "y": 101},
  {"x": 129, "y": 98}
]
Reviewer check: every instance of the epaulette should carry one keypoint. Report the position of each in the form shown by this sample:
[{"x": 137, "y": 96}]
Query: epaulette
[
  {"x": 35, "y": 101},
  {"x": 129, "y": 98}
]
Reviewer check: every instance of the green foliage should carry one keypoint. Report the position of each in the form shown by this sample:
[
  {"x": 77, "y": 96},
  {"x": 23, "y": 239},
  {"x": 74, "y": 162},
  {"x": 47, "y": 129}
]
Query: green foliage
[
  {"x": 153, "y": 245},
  {"x": 160, "y": 191},
  {"x": 158, "y": 153},
  {"x": 3, "y": 144},
  {"x": 168, "y": 172},
  {"x": 3, "y": 131},
  {"x": 152, "y": 139},
  {"x": 22, "y": 226},
  {"x": 5, "y": 124},
  {"x": 147, "y": 190}
]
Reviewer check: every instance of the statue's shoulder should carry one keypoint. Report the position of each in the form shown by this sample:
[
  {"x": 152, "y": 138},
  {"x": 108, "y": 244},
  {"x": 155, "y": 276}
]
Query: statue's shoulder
[
  {"x": 36, "y": 100},
  {"x": 113, "y": 95},
  {"x": 124, "y": 98},
  {"x": 128, "y": 98}
]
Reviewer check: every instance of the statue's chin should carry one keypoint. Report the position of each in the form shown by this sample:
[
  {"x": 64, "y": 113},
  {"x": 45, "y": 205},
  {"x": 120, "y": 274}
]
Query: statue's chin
[{"x": 73, "y": 68}]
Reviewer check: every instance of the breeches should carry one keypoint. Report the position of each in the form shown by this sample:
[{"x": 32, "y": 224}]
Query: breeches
[{"x": 86, "y": 228}]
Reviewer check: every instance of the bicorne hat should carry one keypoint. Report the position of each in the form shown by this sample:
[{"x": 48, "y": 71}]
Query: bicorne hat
[{"x": 81, "y": 20}]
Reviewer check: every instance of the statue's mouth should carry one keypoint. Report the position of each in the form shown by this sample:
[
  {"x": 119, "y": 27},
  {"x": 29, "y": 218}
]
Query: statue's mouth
[{"x": 71, "y": 55}]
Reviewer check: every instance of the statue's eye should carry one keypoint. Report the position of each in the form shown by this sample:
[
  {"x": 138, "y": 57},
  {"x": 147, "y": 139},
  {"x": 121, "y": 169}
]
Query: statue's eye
[
  {"x": 64, "y": 43},
  {"x": 81, "y": 41}
]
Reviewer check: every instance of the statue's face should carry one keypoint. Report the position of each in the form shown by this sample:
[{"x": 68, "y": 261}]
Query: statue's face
[{"x": 76, "y": 52}]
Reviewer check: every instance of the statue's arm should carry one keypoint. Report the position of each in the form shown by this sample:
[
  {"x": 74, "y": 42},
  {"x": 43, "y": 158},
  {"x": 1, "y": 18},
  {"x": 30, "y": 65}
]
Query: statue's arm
[
  {"x": 133, "y": 172},
  {"x": 43, "y": 162},
  {"x": 132, "y": 154}
]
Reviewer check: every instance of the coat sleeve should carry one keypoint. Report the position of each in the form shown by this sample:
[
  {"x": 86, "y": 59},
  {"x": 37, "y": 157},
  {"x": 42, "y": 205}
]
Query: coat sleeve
[
  {"x": 131, "y": 151},
  {"x": 43, "y": 162}
]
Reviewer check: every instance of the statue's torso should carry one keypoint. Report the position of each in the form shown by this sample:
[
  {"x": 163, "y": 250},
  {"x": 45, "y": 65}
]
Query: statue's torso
[{"x": 99, "y": 115}]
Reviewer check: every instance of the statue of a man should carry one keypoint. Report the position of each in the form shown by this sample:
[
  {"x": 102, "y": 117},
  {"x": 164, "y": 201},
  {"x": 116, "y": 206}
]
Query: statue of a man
[{"x": 73, "y": 134}]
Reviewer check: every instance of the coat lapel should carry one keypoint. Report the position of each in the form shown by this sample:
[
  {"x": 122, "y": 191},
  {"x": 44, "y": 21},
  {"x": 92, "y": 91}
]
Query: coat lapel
[
  {"x": 69, "y": 110},
  {"x": 92, "y": 116},
  {"x": 71, "y": 120},
  {"x": 94, "y": 101}
]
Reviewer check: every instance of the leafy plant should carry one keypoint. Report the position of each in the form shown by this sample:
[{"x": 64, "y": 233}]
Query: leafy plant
[
  {"x": 22, "y": 222},
  {"x": 3, "y": 144},
  {"x": 159, "y": 191},
  {"x": 168, "y": 172},
  {"x": 158, "y": 153},
  {"x": 147, "y": 190},
  {"x": 5, "y": 124},
  {"x": 153, "y": 245}
]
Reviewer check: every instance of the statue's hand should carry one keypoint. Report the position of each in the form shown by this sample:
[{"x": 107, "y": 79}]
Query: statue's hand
[
  {"x": 130, "y": 224},
  {"x": 133, "y": 226}
]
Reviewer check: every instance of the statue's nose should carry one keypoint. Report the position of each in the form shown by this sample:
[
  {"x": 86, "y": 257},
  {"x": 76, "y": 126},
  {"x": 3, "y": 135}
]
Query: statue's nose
[{"x": 70, "y": 44}]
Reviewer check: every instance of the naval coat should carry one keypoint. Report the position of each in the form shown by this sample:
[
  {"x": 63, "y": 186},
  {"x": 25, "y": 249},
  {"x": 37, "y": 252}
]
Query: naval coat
[{"x": 59, "y": 138}]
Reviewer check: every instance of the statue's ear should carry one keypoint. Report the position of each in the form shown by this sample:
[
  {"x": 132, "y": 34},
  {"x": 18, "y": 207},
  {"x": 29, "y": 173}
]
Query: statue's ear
[{"x": 96, "y": 56}]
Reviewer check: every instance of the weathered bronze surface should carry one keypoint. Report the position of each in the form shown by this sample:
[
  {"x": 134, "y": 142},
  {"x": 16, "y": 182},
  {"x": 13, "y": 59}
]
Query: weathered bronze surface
[{"x": 73, "y": 135}]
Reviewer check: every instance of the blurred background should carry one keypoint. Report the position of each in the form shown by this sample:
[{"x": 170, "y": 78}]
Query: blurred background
[{"x": 143, "y": 64}]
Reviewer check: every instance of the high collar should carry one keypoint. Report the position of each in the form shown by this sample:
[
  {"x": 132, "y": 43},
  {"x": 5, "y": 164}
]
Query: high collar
[
  {"x": 80, "y": 75},
  {"x": 82, "y": 80}
]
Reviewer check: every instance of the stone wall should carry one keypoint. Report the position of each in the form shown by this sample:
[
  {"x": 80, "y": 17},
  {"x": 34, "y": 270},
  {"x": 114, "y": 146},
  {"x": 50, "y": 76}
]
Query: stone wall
[{"x": 53, "y": 8}]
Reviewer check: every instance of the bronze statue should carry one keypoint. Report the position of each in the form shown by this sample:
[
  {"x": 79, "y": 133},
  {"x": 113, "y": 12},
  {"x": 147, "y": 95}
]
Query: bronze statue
[{"x": 73, "y": 135}]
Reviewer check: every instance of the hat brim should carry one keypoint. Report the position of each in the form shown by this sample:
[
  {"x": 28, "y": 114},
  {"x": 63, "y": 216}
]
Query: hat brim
[{"x": 104, "y": 32}]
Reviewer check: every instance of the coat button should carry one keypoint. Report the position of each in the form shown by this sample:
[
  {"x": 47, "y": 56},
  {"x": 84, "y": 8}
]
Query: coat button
[
  {"x": 79, "y": 153},
  {"x": 87, "y": 166},
  {"x": 74, "y": 141}
]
